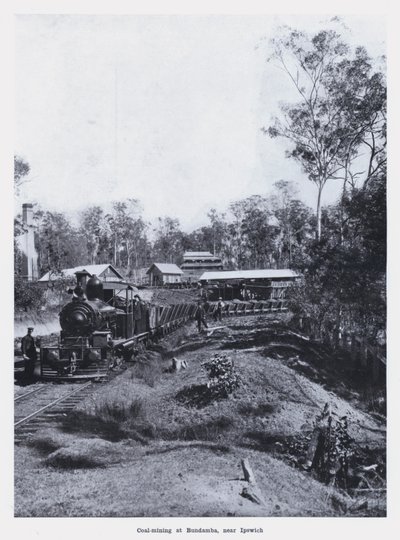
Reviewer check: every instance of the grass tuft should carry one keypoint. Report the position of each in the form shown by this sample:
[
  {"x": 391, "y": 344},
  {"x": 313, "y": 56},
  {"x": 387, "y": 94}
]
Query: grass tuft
[
  {"x": 208, "y": 430},
  {"x": 47, "y": 441},
  {"x": 148, "y": 370},
  {"x": 257, "y": 409},
  {"x": 83, "y": 454},
  {"x": 119, "y": 410}
]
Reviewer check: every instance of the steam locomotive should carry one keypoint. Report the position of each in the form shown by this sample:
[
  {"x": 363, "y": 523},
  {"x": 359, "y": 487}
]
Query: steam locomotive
[{"x": 95, "y": 335}]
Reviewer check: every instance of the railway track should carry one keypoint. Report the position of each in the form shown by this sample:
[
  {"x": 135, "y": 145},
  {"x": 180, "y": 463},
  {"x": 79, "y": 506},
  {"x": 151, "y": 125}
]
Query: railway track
[
  {"x": 23, "y": 396},
  {"x": 47, "y": 410}
]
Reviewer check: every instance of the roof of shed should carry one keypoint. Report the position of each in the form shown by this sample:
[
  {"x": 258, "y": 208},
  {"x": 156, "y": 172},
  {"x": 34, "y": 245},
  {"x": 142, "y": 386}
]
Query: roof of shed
[
  {"x": 249, "y": 274},
  {"x": 196, "y": 254},
  {"x": 166, "y": 268},
  {"x": 97, "y": 269}
]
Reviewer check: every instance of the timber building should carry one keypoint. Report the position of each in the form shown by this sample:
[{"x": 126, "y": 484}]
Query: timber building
[
  {"x": 195, "y": 263},
  {"x": 163, "y": 273},
  {"x": 249, "y": 284}
]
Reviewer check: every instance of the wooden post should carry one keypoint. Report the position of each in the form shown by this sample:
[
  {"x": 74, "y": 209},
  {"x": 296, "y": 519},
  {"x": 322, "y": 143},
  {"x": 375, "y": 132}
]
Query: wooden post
[
  {"x": 248, "y": 472},
  {"x": 252, "y": 492}
]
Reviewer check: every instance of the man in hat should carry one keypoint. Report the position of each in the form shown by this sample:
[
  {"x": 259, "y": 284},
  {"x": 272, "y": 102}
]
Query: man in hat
[
  {"x": 29, "y": 352},
  {"x": 201, "y": 316},
  {"x": 218, "y": 310}
]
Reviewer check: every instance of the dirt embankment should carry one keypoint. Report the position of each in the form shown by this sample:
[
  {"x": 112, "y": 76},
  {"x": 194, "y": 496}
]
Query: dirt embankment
[{"x": 157, "y": 430}]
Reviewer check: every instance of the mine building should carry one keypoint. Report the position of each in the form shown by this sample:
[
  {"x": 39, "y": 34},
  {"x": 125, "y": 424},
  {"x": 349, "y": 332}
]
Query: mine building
[
  {"x": 262, "y": 284},
  {"x": 195, "y": 263},
  {"x": 163, "y": 274}
]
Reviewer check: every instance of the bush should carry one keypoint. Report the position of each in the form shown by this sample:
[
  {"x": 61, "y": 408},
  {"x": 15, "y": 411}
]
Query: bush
[
  {"x": 27, "y": 294},
  {"x": 222, "y": 378}
]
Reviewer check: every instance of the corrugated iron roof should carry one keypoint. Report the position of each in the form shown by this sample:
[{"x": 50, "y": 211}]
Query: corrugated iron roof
[
  {"x": 97, "y": 269},
  {"x": 166, "y": 268},
  {"x": 188, "y": 254},
  {"x": 248, "y": 274}
]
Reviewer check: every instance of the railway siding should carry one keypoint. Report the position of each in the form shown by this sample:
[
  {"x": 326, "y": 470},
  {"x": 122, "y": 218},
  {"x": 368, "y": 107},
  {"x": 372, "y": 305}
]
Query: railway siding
[{"x": 46, "y": 405}]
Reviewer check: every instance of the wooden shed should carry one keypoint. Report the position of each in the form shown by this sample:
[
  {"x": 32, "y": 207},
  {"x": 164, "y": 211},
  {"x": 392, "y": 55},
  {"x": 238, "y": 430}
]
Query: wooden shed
[
  {"x": 249, "y": 284},
  {"x": 105, "y": 272},
  {"x": 163, "y": 273}
]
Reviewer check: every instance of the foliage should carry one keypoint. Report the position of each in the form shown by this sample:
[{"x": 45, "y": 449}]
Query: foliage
[
  {"x": 344, "y": 273},
  {"x": 21, "y": 169},
  {"x": 59, "y": 244},
  {"x": 341, "y": 112},
  {"x": 27, "y": 295},
  {"x": 126, "y": 234},
  {"x": 222, "y": 377},
  {"x": 167, "y": 244},
  {"x": 93, "y": 229},
  {"x": 335, "y": 449}
]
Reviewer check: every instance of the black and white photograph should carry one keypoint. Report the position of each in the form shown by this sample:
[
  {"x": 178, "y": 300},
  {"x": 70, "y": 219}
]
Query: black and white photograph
[{"x": 199, "y": 258}]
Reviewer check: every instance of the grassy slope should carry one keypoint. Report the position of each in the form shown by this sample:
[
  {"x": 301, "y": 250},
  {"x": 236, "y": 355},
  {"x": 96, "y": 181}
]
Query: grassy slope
[{"x": 170, "y": 459}]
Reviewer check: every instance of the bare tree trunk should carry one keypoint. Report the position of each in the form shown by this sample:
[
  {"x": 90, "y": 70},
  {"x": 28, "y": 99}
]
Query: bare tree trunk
[{"x": 318, "y": 231}]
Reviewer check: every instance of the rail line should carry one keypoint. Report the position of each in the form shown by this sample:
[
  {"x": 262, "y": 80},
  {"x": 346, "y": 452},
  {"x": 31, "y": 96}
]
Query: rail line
[
  {"x": 18, "y": 398},
  {"x": 45, "y": 415}
]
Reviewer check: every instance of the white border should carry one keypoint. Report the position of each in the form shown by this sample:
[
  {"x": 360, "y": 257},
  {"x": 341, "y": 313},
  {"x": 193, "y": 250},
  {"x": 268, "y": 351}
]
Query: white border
[{"x": 63, "y": 528}]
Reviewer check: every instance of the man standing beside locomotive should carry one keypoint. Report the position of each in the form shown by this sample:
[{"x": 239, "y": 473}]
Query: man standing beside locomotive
[{"x": 29, "y": 352}]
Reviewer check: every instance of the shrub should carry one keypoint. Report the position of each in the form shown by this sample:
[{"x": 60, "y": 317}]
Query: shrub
[
  {"x": 334, "y": 449},
  {"x": 27, "y": 294},
  {"x": 222, "y": 377}
]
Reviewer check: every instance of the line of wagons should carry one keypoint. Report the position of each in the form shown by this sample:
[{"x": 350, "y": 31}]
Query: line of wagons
[{"x": 99, "y": 332}]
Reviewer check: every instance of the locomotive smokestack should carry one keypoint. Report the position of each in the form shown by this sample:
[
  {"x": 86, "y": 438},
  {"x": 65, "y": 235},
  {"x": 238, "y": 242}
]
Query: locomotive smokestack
[
  {"x": 81, "y": 277},
  {"x": 94, "y": 288}
]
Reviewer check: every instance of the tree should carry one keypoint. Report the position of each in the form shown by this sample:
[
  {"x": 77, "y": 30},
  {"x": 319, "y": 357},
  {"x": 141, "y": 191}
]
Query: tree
[
  {"x": 338, "y": 111},
  {"x": 168, "y": 241},
  {"x": 218, "y": 230},
  {"x": 93, "y": 228},
  {"x": 127, "y": 234},
  {"x": 295, "y": 222},
  {"x": 59, "y": 244},
  {"x": 21, "y": 169},
  {"x": 344, "y": 273}
]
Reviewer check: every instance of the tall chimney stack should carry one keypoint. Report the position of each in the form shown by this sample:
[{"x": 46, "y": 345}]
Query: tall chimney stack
[{"x": 29, "y": 254}]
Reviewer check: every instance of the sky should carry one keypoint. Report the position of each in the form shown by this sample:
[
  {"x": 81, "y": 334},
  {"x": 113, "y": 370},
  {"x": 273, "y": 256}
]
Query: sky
[{"x": 164, "y": 109}]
